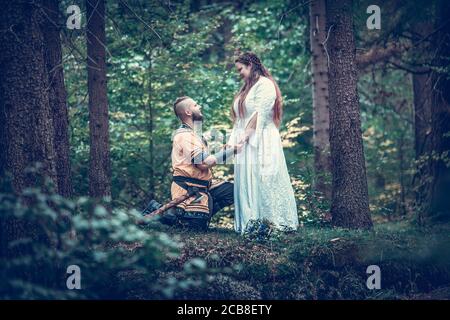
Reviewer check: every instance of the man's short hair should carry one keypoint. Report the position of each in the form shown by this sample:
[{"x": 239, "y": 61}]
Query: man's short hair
[{"x": 177, "y": 102}]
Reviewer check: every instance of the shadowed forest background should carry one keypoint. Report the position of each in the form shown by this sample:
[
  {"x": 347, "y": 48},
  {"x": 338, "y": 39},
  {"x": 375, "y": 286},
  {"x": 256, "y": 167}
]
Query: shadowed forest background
[{"x": 86, "y": 123}]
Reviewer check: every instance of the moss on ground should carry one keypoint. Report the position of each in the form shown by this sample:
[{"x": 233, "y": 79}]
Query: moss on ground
[{"x": 318, "y": 263}]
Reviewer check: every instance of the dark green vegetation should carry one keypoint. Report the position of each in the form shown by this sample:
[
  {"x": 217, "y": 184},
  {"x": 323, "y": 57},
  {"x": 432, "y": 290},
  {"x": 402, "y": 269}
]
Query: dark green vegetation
[
  {"x": 120, "y": 260},
  {"x": 324, "y": 264}
]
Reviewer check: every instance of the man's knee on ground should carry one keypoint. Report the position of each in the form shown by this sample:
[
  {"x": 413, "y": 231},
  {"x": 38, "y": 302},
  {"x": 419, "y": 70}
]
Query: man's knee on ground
[
  {"x": 195, "y": 220},
  {"x": 179, "y": 217}
]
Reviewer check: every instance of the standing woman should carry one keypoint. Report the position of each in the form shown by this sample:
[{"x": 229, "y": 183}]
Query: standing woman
[{"x": 262, "y": 188}]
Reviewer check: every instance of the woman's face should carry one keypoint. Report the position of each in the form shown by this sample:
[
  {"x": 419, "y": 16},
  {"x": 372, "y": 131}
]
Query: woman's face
[{"x": 243, "y": 70}]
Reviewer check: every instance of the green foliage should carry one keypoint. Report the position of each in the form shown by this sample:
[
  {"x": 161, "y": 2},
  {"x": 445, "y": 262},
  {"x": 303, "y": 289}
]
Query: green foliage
[
  {"x": 158, "y": 52},
  {"x": 312, "y": 206},
  {"x": 388, "y": 135},
  {"x": 115, "y": 256}
]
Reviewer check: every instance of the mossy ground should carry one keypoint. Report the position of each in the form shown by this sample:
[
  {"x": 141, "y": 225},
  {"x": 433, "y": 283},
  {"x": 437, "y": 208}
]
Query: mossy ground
[{"x": 318, "y": 262}]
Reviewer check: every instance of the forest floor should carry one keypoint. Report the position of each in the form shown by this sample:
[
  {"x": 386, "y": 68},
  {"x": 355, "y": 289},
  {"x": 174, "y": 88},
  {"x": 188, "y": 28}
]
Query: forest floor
[{"x": 316, "y": 262}]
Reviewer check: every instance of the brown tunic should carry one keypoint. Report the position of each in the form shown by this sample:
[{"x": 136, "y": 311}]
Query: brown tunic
[{"x": 186, "y": 145}]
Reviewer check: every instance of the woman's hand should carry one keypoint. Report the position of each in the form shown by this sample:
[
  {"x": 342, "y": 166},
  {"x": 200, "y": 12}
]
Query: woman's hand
[{"x": 237, "y": 147}]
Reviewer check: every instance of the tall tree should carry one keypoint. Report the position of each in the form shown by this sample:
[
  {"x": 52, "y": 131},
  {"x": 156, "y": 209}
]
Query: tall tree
[
  {"x": 150, "y": 126},
  {"x": 99, "y": 166},
  {"x": 27, "y": 126},
  {"x": 439, "y": 201},
  {"x": 321, "y": 119},
  {"x": 57, "y": 96},
  {"x": 26, "y": 130},
  {"x": 350, "y": 200},
  {"x": 422, "y": 91}
]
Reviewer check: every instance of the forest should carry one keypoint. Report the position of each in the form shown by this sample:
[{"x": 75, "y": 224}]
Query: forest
[{"x": 87, "y": 89}]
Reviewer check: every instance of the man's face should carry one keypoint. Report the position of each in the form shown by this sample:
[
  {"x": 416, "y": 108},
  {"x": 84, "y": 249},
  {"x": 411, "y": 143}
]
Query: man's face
[{"x": 195, "y": 110}]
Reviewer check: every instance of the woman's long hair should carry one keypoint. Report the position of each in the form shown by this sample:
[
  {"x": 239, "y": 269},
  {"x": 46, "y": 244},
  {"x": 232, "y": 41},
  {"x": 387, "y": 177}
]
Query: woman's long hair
[{"x": 257, "y": 70}]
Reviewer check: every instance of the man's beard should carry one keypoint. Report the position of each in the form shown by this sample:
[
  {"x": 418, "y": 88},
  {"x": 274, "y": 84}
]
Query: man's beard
[{"x": 197, "y": 117}]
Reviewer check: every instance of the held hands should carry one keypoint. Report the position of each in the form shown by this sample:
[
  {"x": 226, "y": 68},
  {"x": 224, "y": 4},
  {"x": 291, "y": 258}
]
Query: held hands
[
  {"x": 223, "y": 154},
  {"x": 239, "y": 146}
]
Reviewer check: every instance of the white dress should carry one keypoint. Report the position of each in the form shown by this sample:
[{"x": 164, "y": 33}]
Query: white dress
[{"x": 262, "y": 186}]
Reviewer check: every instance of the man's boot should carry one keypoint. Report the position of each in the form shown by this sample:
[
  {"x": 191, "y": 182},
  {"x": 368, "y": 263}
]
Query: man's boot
[
  {"x": 151, "y": 206},
  {"x": 171, "y": 216}
]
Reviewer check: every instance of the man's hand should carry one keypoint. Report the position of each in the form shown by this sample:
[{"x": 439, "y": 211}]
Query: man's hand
[
  {"x": 237, "y": 147},
  {"x": 220, "y": 156}
]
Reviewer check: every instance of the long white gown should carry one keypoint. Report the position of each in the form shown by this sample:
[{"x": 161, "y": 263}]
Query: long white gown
[{"x": 262, "y": 186}]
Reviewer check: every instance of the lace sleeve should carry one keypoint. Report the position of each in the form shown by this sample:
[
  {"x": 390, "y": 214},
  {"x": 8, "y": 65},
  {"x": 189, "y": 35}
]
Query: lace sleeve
[{"x": 265, "y": 95}]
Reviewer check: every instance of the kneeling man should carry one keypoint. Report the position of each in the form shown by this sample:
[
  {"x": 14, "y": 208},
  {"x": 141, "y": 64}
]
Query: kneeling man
[{"x": 191, "y": 164}]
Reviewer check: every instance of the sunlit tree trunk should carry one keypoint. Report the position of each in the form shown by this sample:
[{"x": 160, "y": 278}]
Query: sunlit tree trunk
[{"x": 321, "y": 119}]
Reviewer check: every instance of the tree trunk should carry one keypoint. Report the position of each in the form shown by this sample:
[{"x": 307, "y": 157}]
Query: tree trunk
[
  {"x": 57, "y": 96},
  {"x": 26, "y": 130},
  {"x": 321, "y": 119},
  {"x": 350, "y": 200},
  {"x": 99, "y": 166},
  {"x": 422, "y": 89},
  {"x": 401, "y": 206},
  {"x": 439, "y": 199},
  {"x": 150, "y": 128}
]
